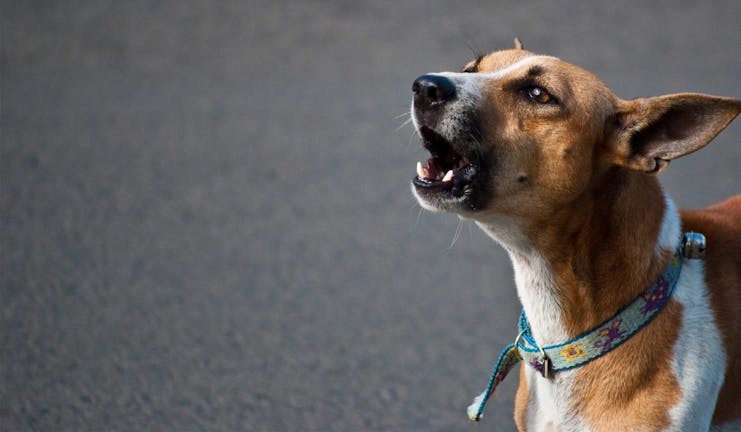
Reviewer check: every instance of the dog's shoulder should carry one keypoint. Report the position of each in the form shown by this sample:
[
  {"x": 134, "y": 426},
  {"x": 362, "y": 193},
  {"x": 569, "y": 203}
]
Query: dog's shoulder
[{"x": 721, "y": 225}]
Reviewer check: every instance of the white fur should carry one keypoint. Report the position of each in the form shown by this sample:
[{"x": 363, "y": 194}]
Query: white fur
[
  {"x": 506, "y": 231},
  {"x": 549, "y": 402},
  {"x": 671, "y": 231},
  {"x": 698, "y": 360},
  {"x": 533, "y": 278},
  {"x": 465, "y": 81},
  {"x": 536, "y": 289}
]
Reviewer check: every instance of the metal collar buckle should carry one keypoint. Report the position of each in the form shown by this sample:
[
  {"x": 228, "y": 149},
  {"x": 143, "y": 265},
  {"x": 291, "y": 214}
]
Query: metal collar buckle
[{"x": 546, "y": 366}]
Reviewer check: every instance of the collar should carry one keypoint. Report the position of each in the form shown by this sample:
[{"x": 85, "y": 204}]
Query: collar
[{"x": 593, "y": 343}]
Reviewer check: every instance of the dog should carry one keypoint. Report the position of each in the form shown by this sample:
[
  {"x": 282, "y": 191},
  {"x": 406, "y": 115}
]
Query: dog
[{"x": 557, "y": 169}]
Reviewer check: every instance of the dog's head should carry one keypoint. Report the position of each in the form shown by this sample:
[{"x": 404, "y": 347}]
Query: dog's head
[{"x": 517, "y": 133}]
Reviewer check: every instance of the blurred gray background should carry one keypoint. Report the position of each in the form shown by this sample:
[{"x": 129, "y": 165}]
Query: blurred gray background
[{"x": 205, "y": 218}]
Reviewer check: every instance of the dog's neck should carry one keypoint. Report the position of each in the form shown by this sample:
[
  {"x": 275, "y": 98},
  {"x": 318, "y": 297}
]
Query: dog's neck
[{"x": 577, "y": 267}]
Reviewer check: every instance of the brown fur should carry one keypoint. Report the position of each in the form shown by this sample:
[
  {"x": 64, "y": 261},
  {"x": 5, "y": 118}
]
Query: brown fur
[{"x": 581, "y": 194}]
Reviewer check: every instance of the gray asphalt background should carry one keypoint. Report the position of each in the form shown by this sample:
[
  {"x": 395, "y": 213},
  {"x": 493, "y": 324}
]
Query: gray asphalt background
[{"x": 205, "y": 219}]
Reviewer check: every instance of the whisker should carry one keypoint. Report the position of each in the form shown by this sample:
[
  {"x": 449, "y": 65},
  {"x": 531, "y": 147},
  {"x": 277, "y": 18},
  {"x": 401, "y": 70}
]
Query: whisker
[
  {"x": 479, "y": 146},
  {"x": 470, "y": 44},
  {"x": 406, "y": 122},
  {"x": 457, "y": 234},
  {"x": 411, "y": 136},
  {"x": 475, "y": 140}
]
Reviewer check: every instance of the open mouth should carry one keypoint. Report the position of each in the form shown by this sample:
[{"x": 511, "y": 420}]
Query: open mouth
[{"x": 447, "y": 170}]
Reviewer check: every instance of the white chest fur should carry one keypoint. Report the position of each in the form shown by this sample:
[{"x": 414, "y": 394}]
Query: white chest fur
[
  {"x": 549, "y": 401},
  {"x": 698, "y": 361}
]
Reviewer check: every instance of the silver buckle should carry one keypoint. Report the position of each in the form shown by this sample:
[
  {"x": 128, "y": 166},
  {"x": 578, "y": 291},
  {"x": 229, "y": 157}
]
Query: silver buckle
[
  {"x": 545, "y": 362},
  {"x": 517, "y": 343}
]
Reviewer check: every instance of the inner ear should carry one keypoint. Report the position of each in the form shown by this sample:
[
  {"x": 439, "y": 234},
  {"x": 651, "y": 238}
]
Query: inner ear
[
  {"x": 654, "y": 131},
  {"x": 681, "y": 129},
  {"x": 675, "y": 125}
]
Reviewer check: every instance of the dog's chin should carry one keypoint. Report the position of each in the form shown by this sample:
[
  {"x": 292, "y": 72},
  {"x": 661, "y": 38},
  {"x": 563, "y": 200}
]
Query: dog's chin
[{"x": 443, "y": 200}]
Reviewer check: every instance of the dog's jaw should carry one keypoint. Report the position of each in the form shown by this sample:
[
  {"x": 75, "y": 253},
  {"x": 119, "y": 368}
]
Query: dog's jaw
[{"x": 450, "y": 180}]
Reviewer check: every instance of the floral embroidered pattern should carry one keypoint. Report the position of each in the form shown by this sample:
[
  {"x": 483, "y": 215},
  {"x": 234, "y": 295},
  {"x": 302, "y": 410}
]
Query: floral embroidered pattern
[
  {"x": 586, "y": 347},
  {"x": 537, "y": 364},
  {"x": 610, "y": 334},
  {"x": 656, "y": 297},
  {"x": 573, "y": 352}
]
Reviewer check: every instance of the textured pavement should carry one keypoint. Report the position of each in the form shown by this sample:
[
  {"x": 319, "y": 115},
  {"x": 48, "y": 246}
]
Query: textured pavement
[{"x": 205, "y": 218}]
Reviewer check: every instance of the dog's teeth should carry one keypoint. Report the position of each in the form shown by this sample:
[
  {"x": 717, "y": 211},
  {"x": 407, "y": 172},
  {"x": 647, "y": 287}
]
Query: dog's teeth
[
  {"x": 448, "y": 176},
  {"x": 421, "y": 172}
]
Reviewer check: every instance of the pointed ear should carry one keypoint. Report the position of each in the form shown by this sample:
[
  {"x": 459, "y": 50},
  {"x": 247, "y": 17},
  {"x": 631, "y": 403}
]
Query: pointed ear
[{"x": 648, "y": 133}]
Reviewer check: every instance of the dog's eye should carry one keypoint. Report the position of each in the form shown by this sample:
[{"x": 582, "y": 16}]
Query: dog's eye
[{"x": 539, "y": 95}]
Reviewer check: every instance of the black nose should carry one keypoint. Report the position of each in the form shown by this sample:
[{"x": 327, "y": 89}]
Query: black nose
[{"x": 432, "y": 90}]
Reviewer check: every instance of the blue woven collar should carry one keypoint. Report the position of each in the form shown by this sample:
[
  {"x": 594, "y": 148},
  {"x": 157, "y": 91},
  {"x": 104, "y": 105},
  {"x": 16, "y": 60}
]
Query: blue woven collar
[{"x": 586, "y": 347}]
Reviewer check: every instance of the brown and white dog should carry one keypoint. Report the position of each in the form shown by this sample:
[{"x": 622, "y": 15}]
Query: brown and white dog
[{"x": 561, "y": 172}]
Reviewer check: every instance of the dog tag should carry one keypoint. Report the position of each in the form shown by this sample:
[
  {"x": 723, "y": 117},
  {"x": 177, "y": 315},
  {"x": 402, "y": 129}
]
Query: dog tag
[{"x": 693, "y": 245}]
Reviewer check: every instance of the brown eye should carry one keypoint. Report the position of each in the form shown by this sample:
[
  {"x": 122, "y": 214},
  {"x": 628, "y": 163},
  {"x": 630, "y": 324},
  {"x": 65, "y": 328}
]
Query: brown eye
[{"x": 539, "y": 95}]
